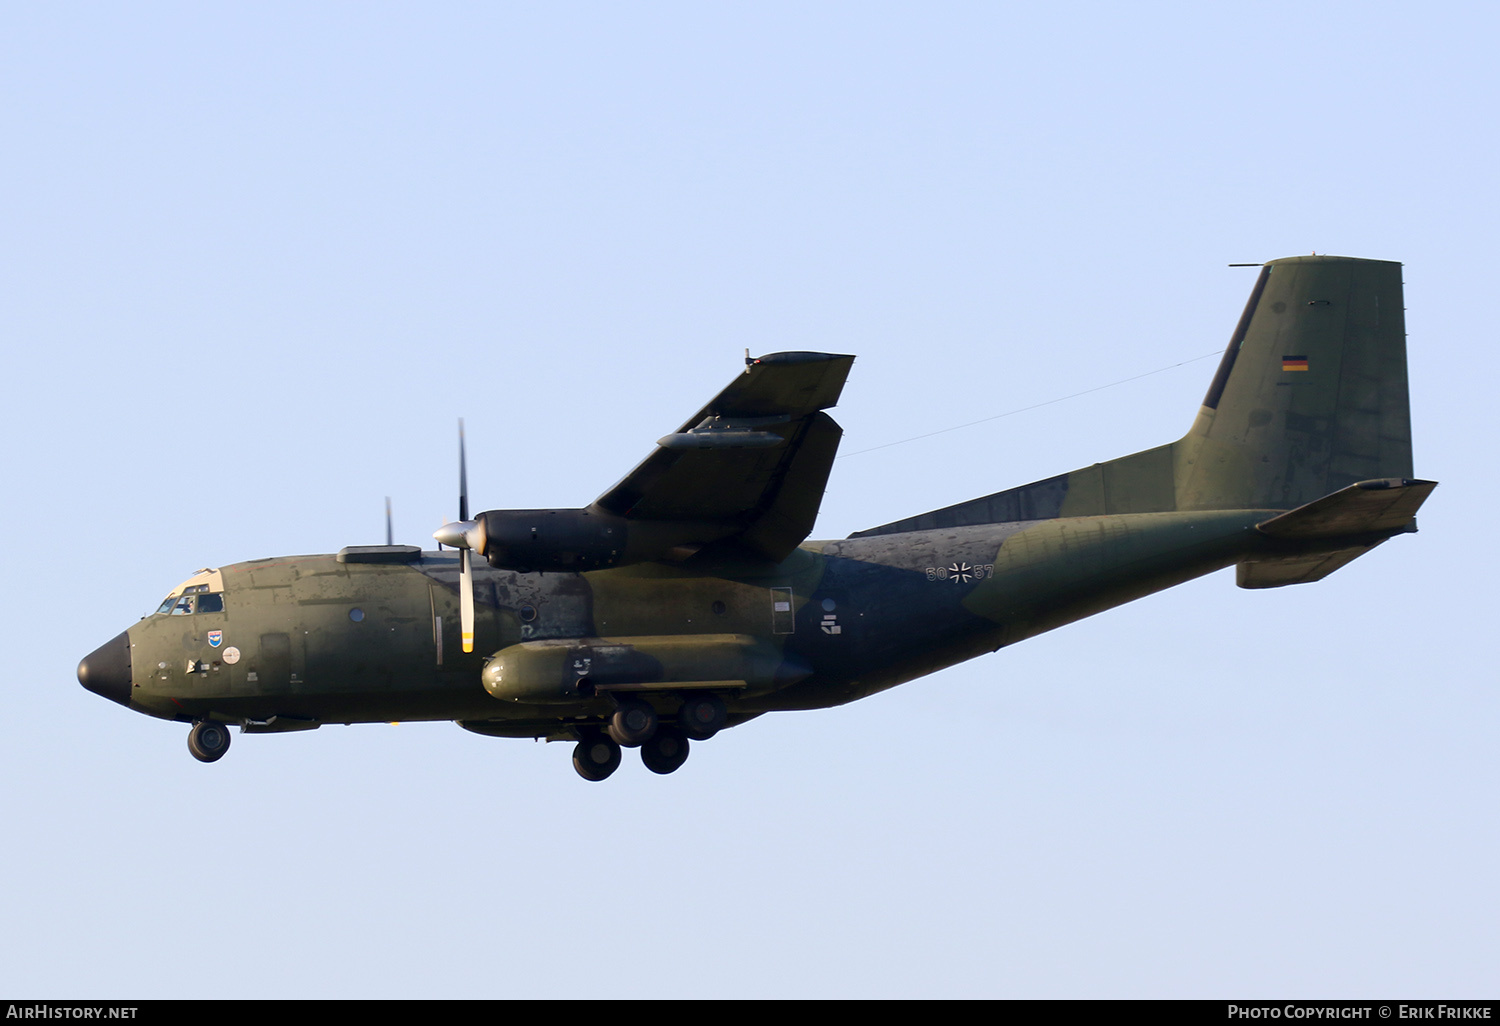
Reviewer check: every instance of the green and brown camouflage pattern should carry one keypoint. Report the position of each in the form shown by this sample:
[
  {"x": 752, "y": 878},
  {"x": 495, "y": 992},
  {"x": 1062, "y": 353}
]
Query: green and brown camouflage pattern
[{"x": 1298, "y": 461}]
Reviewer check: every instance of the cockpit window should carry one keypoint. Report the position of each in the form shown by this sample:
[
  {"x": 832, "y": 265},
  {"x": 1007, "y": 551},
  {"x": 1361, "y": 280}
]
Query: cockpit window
[{"x": 192, "y": 601}]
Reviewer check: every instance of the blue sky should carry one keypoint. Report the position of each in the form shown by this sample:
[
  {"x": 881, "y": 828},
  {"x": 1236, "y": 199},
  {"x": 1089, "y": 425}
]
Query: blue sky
[{"x": 257, "y": 259}]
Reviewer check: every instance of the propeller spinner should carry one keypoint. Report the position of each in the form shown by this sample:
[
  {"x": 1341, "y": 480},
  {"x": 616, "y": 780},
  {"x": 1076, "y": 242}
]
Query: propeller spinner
[{"x": 468, "y": 537}]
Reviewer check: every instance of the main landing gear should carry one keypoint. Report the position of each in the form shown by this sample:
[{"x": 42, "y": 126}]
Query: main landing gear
[
  {"x": 702, "y": 716},
  {"x": 635, "y": 724},
  {"x": 208, "y": 741},
  {"x": 666, "y": 751},
  {"x": 596, "y": 757}
]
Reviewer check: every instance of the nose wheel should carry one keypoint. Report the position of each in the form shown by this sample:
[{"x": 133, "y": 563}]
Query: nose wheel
[{"x": 208, "y": 741}]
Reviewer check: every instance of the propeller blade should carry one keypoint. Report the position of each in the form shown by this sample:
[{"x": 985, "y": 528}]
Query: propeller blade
[
  {"x": 463, "y": 475},
  {"x": 467, "y": 536},
  {"x": 466, "y": 599}
]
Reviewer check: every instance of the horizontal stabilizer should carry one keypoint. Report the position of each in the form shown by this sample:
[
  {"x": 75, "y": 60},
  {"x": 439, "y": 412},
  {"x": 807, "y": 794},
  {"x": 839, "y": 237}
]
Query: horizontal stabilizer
[
  {"x": 1362, "y": 515},
  {"x": 1276, "y": 573},
  {"x": 1383, "y": 506}
]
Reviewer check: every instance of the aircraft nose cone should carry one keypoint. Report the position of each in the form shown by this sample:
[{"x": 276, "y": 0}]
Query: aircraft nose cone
[{"x": 106, "y": 670}]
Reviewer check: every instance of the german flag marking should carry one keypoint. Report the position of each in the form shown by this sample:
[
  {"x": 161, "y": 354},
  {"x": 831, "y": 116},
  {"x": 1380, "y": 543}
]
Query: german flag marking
[{"x": 1294, "y": 363}]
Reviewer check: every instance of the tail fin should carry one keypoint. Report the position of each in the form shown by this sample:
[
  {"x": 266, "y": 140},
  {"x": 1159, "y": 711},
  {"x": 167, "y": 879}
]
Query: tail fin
[{"x": 1310, "y": 397}]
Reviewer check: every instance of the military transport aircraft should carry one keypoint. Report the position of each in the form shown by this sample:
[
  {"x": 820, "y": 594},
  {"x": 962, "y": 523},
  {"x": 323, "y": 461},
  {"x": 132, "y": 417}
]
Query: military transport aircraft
[{"x": 685, "y": 599}]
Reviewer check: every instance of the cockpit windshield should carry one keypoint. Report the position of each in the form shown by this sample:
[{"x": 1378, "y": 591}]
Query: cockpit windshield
[{"x": 195, "y": 596}]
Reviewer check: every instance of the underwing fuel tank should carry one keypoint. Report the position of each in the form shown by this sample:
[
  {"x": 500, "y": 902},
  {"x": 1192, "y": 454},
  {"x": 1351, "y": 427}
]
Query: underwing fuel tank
[{"x": 565, "y": 669}]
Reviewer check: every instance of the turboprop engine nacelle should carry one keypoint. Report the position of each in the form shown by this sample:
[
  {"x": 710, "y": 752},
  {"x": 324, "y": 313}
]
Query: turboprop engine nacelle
[
  {"x": 552, "y": 539},
  {"x": 575, "y": 540}
]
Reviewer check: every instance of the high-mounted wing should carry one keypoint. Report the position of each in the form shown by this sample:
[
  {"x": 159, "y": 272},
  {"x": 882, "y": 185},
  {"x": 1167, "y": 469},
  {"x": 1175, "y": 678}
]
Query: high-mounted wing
[
  {"x": 745, "y": 474},
  {"x": 750, "y": 467}
]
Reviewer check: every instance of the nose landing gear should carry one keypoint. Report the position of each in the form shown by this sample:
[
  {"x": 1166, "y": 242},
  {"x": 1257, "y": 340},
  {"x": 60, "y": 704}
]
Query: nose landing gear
[{"x": 208, "y": 741}]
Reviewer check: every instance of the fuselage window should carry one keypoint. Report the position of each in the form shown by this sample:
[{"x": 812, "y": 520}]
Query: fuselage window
[
  {"x": 212, "y": 602},
  {"x": 183, "y": 606}
]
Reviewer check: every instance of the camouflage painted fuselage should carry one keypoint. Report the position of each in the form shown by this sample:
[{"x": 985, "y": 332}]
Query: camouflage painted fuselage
[{"x": 323, "y": 641}]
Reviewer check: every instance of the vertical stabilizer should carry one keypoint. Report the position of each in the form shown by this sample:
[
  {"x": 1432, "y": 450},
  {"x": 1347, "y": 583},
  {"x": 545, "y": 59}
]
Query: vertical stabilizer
[
  {"x": 1309, "y": 398},
  {"x": 1311, "y": 395}
]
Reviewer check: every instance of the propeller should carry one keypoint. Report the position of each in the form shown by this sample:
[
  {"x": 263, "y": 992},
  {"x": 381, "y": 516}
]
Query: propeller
[{"x": 467, "y": 536}]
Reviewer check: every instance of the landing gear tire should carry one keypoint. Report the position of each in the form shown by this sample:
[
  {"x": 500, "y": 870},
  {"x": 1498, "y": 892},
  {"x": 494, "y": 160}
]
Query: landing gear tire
[
  {"x": 666, "y": 751},
  {"x": 208, "y": 741},
  {"x": 702, "y": 716},
  {"x": 633, "y": 722},
  {"x": 596, "y": 757}
]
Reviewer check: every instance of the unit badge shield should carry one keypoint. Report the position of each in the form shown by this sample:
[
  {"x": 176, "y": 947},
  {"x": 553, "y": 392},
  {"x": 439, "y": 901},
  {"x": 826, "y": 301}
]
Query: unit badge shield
[{"x": 215, "y": 638}]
